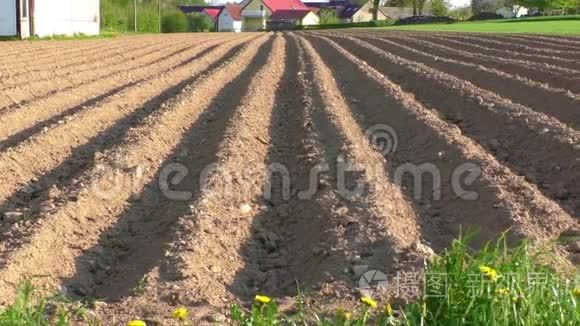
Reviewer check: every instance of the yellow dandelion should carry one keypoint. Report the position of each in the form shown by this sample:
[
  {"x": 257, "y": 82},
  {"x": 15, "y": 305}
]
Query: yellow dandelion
[
  {"x": 389, "y": 310},
  {"x": 503, "y": 291},
  {"x": 180, "y": 313},
  {"x": 345, "y": 315},
  {"x": 136, "y": 323},
  {"x": 489, "y": 272},
  {"x": 263, "y": 299},
  {"x": 369, "y": 302},
  {"x": 576, "y": 292}
]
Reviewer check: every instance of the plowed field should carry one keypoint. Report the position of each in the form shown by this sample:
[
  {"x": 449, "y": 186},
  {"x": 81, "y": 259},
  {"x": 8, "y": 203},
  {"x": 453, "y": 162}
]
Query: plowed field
[{"x": 199, "y": 169}]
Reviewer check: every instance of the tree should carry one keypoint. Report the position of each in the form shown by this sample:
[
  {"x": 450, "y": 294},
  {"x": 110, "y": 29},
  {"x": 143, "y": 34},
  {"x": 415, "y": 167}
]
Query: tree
[
  {"x": 328, "y": 16},
  {"x": 417, "y": 5},
  {"x": 568, "y": 6},
  {"x": 461, "y": 13},
  {"x": 439, "y": 7}
]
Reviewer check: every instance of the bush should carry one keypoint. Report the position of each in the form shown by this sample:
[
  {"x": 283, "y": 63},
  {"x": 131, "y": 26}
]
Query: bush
[
  {"x": 425, "y": 20},
  {"x": 486, "y": 16},
  {"x": 175, "y": 21},
  {"x": 200, "y": 23},
  {"x": 328, "y": 16}
]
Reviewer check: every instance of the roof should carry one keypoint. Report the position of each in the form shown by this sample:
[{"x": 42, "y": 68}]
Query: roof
[
  {"x": 349, "y": 10},
  {"x": 234, "y": 10},
  {"x": 212, "y": 11},
  {"x": 289, "y": 14},
  {"x": 275, "y": 5}
]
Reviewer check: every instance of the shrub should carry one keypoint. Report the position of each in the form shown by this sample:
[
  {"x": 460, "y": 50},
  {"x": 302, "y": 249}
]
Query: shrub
[
  {"x": 175, "y": 21},
  {"x": 200, "y": 23}
]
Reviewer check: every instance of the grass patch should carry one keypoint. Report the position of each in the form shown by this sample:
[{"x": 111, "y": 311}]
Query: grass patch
[
  {"x": 495, "y": 286},
  {"x": 532, "y": 25},
  {"x": 28, "y": 309}
]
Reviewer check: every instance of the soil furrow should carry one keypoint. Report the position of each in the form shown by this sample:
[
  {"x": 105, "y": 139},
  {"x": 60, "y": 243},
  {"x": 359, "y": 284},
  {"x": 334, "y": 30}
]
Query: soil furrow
[
  {"x": 17, "y": 96},
  {"x": 239, "y": 152},
  {"x": 533, "y": 43},
  {"x": 497, "y": 197},
  {"x": 19, "y": 124},
  {"x": 75, "y": 139},
  {"x": 44, "y": 51},
  {"x": 518, "y": 136},
  {"x": 76, "y": 225},
  {"x": 89, "y": 61},
  {"x": 554, "y": 102},
  {"x": 575, "y": 41},
  {"x": 554, "y": 79},
  {"x": 504, "y": 46},
  {"x": 502, "y": 53}
]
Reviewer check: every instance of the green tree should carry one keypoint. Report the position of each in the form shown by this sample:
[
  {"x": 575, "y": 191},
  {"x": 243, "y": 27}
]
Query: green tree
[
  {"x": 439, "y": 7},
  {"x": 328, "y": 16}
]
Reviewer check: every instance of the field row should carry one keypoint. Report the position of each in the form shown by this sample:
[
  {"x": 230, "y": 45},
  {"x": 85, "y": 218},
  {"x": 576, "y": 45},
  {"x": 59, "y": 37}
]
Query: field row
[{"x": 106, "y": 143}]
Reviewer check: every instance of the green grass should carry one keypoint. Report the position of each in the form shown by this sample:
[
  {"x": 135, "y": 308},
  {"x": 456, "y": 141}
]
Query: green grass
[
  {"x": 494, "y": 286},
  {"x": 497, "y": 285},
  {"x": 534, "y": 25},
  {"x": 30, "y": 310}
]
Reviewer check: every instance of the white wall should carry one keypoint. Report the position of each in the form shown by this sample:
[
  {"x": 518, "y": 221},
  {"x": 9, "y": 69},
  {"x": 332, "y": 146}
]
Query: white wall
[
  {"x": 66, "y": 17},
  {"x": 7, "y": 17},
  {"x": 227, "y": 24},
  {"x": 310, "y": 19}
]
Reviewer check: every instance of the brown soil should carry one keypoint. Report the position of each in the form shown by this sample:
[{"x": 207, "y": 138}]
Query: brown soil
[{"x": 87, "y": 150}]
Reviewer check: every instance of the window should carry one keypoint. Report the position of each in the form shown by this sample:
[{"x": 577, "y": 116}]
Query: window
[
  {"x": 261, "y": 7},
  {"x": 24, "y": 8}
]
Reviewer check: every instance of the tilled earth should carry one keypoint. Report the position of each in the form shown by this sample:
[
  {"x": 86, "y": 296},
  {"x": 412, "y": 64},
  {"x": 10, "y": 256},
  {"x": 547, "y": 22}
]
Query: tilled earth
[{"x": 201, "y": 169}]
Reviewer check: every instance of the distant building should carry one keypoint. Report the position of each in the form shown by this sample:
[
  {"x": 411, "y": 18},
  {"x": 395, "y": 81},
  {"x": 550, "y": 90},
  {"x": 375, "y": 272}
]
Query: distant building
[
  {"x": 230, "y": 18},
  {"x": 25, "y": 18},
  {"x": 258, "y": 14},
  {"x": 348, "y": 12}
]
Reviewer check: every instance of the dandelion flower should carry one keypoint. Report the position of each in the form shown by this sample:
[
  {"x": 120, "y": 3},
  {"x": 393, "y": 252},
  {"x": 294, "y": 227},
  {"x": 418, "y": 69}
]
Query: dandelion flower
[
  {"x": 369, "y": 302},
  {"x": 489, "y": 272},
  {"x": 389, "y": 310},
  {"x": 136, "y": 323},
  {"x": 263, "y": 299},
  {"x": 503, "y": 291},
  {"x": 180, "y": 313}
]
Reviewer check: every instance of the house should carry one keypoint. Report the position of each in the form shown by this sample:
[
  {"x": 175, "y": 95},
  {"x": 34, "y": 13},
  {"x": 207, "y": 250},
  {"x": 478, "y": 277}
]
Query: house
[
  {"x": 24, "y": 18},
  {"x": 348, "y": 12},
  {"x": 257, "y": 13},
  {"x": 230, "y": 18},
  {"x": 353, "y": 13},
  {"x": 287, "y": 19}
]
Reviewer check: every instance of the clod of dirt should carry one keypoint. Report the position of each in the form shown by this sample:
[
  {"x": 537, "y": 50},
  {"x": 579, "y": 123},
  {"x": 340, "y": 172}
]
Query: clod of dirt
[
  {"x": 571, "y": 232},
  {"x": 245, "y": 209},
  {"x": 216, "y": 318},
  {"x": 574, "y": 247},
  {"x": 12, "y": 217},
  {"x": 575, "y": 259}
]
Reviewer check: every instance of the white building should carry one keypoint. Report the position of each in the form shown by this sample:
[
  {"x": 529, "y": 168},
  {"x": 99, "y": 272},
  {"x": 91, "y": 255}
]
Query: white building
[
  {"x": 25, "y": 18},
  {"x": 230, "y": 18}
]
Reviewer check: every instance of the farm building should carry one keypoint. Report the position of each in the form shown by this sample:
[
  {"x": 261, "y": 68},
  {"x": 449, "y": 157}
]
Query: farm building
[
  {"x": 286, "y": 19},
  {"x": 230, "y": 18},
  {"x": 348, "y": 12},
  {"x": 256, "y": 14},
  {"x": 25, "y": 18}
]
